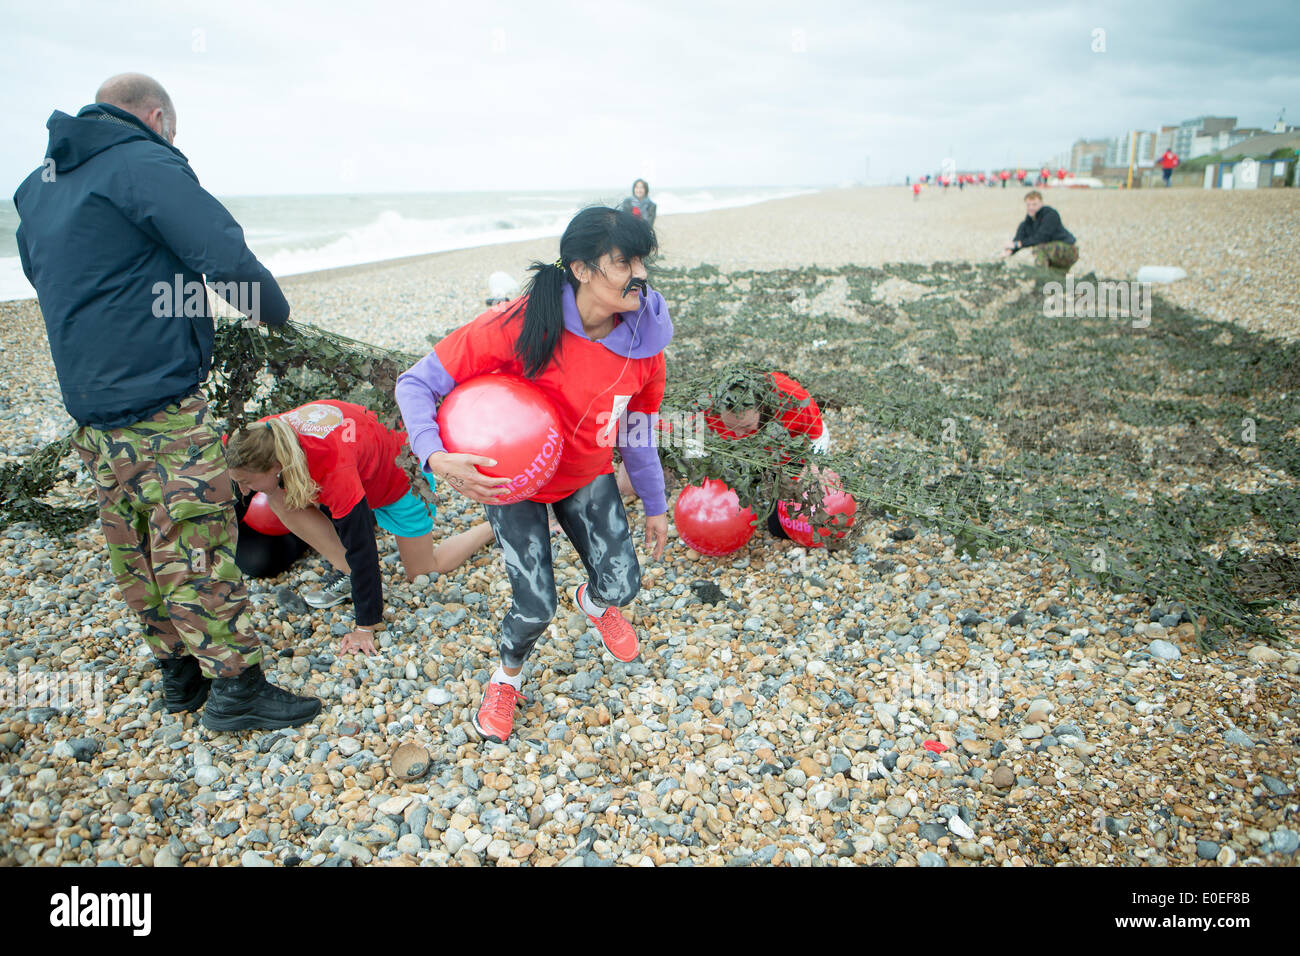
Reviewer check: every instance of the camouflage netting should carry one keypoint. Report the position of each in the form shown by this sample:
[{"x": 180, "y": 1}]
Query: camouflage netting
[{"x": 1160, "y": 460}]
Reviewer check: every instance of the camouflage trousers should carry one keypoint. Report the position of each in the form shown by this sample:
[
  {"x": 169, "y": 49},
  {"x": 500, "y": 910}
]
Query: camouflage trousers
[
  {"x": 1056, "y": 255},
  {"x": 166, "y": 504}
]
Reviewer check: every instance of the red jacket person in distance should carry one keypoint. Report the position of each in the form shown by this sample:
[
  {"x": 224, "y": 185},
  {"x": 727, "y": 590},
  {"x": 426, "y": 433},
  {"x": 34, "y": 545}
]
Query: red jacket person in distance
[
  {"x": 1168, "y": 162},
  {"x": 589, "y": 334}
]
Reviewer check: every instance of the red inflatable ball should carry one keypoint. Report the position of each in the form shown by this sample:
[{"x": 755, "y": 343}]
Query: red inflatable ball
[
  {"x": 795, "y": 517},
  {"x": 506, "y": 418},
  {"x": 710, "y": 520},
  {"x": 260, "y": 517}
]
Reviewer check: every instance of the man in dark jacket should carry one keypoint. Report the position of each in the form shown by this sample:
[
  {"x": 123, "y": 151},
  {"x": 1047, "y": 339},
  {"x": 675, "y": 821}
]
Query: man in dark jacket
[
  {"x": 117, "y": 236},
  {"x": 1053, "y": 245}
]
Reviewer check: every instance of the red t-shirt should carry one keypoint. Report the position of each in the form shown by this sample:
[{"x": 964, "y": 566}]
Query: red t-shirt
[
  {"x": 350, "y": 455},
  {"x": 588, "y": 385},
  {"x": 806, "y": 420}
]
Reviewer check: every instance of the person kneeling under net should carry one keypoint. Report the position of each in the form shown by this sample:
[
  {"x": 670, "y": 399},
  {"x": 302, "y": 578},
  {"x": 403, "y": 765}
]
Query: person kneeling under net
[
  {"x": 744, "y": 411},
  {"x": 329, "y": 472}
]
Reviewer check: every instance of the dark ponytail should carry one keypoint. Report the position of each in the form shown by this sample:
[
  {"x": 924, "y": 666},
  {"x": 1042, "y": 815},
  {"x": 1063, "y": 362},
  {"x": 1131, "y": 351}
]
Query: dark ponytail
[{"x": 592, "y": 233}]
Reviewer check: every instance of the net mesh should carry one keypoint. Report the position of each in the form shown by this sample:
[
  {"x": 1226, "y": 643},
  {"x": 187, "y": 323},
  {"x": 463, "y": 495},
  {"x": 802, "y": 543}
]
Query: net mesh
[{"x": 1156, "y": 457}]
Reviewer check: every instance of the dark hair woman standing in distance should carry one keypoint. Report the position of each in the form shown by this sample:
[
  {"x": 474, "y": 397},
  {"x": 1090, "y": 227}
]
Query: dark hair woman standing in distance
[{"x": 639, "y": 204}]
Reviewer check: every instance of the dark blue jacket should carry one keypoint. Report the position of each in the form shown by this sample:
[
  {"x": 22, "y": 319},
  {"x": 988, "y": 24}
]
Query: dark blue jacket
[
  {"x": 1043, "y": 227},
  {"x": 110, "y": 225}
]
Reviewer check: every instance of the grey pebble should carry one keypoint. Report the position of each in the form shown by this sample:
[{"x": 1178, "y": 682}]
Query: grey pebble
[
  {"x": 1164, "y": 651},
  {"x": 1284, "y": 840},
  {"x": 1276, "y": 786},
  {"x": 932, "y": 832}
]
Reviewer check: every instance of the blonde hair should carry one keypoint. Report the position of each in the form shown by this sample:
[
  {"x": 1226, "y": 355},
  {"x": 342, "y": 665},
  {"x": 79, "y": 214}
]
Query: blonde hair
[
  {"x": 261, "y": 446},
  {"x": 1033, "y": 194}
]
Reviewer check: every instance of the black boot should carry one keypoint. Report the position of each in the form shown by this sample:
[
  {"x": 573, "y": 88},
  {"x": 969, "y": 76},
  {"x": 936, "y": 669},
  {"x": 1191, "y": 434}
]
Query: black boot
[
  {"x": 184, "y": 686},
  {"x": 248, "y": 702}
]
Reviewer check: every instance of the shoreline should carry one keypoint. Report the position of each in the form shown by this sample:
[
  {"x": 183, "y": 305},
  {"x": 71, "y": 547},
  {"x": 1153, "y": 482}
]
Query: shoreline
[
  {"x": 523, "y": 240},
  {"x": 521, "y": 246}
]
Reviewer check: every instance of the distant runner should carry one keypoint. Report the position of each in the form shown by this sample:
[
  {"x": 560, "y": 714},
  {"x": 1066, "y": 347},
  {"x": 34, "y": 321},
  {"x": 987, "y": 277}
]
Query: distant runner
[{"x": 1168, "y": 163}]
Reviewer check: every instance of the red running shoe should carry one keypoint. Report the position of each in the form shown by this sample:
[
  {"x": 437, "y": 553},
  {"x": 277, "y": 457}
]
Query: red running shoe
[
  {"x": 620, "y": 640},
  {"x": 496, "y": 715}
]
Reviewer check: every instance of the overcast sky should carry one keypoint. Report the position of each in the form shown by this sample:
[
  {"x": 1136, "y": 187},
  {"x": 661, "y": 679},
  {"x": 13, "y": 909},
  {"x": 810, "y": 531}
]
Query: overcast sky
[{"x": 374, "y": 96}]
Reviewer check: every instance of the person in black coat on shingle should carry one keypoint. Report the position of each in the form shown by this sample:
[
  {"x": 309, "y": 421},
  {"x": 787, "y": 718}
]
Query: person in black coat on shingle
[{"x": 1054, "y": 247}]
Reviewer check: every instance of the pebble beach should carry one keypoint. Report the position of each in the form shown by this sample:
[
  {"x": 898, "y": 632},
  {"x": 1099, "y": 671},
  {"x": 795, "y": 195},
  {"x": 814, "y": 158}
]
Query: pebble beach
[{"x": 890, "y": 704}]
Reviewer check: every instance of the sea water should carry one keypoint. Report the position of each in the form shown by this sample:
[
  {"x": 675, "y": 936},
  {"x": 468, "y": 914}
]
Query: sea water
[{"x": 293, "y": 234}]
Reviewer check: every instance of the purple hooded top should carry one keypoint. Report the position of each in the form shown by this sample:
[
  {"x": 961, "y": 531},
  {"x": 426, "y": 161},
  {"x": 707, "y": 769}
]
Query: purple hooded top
[{"x": 641, "y": 334}]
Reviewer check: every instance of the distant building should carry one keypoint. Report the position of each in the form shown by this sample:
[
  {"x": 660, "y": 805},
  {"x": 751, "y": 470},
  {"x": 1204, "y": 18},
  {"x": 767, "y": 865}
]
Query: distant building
[
  {"x": 1086, "y": 155},
  {"x": 1108, "y": 159},
  {"x": 1164, "y": 140},
  {"x": 1217, "y": 142},
  {"x": 1261, "y": 147},
  {"x": 1205, "y": 126},
  {"x": 1117, "y": 149}
]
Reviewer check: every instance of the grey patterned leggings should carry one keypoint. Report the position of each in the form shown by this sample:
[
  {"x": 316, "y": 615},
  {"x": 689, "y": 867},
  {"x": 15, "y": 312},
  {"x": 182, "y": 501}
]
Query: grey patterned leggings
[{"x": 594, "y": 519}]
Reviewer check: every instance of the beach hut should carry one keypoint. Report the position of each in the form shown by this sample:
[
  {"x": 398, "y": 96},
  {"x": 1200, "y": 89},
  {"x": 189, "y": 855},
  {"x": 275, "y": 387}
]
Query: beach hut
[
  {"x": 1261, "y": 162},
  {"x": 1248, "y": 173}
]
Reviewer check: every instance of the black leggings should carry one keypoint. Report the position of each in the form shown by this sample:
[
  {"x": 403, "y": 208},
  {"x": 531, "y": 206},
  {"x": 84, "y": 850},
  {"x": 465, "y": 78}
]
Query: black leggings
[
  {"x": 264, "y": 555},
  {"x": 594, "y": 520},
  {"x": 267, "y": 555}
]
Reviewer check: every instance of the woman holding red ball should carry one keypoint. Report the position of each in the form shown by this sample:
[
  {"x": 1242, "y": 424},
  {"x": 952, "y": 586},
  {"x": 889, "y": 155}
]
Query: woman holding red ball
[{"x": 589, "y": 334}]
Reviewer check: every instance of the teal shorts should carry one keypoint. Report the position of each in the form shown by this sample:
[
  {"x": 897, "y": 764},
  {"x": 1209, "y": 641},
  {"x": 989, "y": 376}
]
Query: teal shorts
[{"x": 409, "y": 516}]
